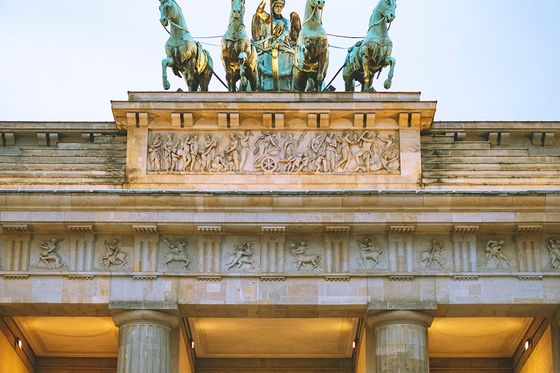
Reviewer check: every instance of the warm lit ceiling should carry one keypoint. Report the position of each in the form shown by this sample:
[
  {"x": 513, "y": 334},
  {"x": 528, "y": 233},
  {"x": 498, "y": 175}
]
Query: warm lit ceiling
[
  {"x": 273, "y": 338},
  {"x": 70, "y": 336},
  {"x": 476, "y": 337}
]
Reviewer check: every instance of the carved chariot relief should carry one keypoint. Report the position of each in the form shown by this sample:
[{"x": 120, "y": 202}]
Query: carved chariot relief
[
  {"x": 297, "y": 152},
  {"x": 176, "y": 259}
]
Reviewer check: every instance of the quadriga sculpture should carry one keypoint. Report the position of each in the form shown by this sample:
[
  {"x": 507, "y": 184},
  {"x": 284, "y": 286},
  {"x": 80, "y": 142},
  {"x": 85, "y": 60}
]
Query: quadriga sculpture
[
  {"x": 312, "y": 57},
  {"x": 239, "y": 56},
  {"x": 186, "y": 57},
  {"x": 373, "y": 53}
]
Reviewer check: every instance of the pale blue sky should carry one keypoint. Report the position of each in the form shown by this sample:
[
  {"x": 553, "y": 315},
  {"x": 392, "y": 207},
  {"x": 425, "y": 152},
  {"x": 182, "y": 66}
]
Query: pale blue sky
[{"x": 481, "y": 59}]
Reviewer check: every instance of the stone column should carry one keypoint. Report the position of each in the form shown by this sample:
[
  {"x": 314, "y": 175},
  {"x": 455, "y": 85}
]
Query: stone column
[
  {"x": 144, "y": 341},
  {"x": 400, "y": 341}
]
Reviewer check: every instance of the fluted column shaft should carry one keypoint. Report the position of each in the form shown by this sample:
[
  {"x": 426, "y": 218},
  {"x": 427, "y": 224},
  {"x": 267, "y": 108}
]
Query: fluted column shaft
[
  {"x": 401, "y": 341},
  {"x": 144, "y": 341}
]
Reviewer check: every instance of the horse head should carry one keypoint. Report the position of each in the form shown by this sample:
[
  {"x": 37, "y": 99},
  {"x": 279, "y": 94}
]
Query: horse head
[
  {"x": 387, "y": 9},
  {"x": 237, "y": 10},
  {"x": 166, "y": 10},
  {"x": 317, "y": 4}
]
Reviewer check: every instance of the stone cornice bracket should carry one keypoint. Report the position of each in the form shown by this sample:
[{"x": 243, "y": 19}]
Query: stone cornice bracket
[
  {"x": 318, "y": 120},
  {"x": 16, "y": 228},
  {"x": 337, "y": 229},
  {"x": 228, "y": 120},
  {"x": 209, "y": 278},
  {"x": 7, "y": 139},
  {"x": 377, "y": 319},
  {"x": 145, "y": 228},
  {"x": 15, "y": 277},
  {"x": 210, "y": 229},
  {"x": 80, "y": 228},
  {"x": 273, "y": 120},
  {"x": 137, "y": 120},
  {"x": 78, "y": 277},
  {"x": 273, "y": 229},
  {"x": 182, "y": 120},
  {"x": 401, "y": 278},
  {"x": 337, "y": 278},
  {"x": 466, "y": 229},
  {"x": 146, "y": 317},
  {"x": 410, "y": 119},
  {"x": 402, "y": 229},
  {"x": 466, "y": 277},
  {"x": 530, "y": 228}
]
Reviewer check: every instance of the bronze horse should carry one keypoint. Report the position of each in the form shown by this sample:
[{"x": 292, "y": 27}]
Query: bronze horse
[
  {"x": 186, "y": 57},
  {"x": 312, "y": 57},
  {"x": 239, "y": 56},
  {"x": 372, "y": 54}
]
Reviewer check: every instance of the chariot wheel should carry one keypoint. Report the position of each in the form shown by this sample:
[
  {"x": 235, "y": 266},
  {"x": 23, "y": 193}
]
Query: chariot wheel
[{"x": 269, "y": 164}]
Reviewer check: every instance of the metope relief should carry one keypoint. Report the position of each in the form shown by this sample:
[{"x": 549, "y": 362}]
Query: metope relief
[
  {"x": 241, "y": 257},
  {"x": 176, "y": 259},
  {"x": 370, "y": 255},
  {"x": 48, "y": 256},
  {"x": 303, "y": 258},
  {"x": 303, "y": 152},
  {"x": 113, "y": 257},
  {"x": 495, "y": 258},
  {"x": 553, "y": 246},
  {"x": 435, "y": 257}
]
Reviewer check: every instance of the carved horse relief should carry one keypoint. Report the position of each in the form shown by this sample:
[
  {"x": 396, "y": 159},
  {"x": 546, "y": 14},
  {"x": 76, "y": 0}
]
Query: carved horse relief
[
  {"x": 370, "y": 55},
  {"x": 239, "y": 56},
  {"x": 312, "y": 56},
  {"x": 186, "y": 57}
]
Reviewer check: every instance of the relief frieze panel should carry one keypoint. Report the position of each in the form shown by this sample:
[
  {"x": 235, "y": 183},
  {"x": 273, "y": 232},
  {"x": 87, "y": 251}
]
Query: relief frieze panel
[
  {"x": 222, "y": 254},
  {"x": 273, "y": 152}
]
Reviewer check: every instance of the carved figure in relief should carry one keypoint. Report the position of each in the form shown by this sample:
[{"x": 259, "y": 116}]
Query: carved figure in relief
[
  {"x": 318, "y": 152},
  {"x": 209, "y": 152},
  {"x": 154, "y": 151},
  {"x": 176, "y": 155},
  {"x": 245, "y": 144},
  {"x": 242, "y": 256},
  {"x": 390, "y": 156},
  {"x": 234, "y": 151},
  {"x": 167, "y": 153},
  {"x": 368, "y": 252},
  {"x": 113, "y": 256},
  {"x": 554, "y": 252},
  {"x": 49, "y": 256},
  {"x": 494, "y": 252},
  {"x": 433, "y": 256},
  {"x": 298, "y": 250},
  {"x": 177, "y": 253}
]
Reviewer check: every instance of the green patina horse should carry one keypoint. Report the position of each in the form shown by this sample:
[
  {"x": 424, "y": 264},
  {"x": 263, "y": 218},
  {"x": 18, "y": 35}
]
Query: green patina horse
[
  {"x": 370, "y": 55},
  {"x": 312, "y": 56},
  {"x": 185, "y": 56},
  {"x": 239, "y": 56}
]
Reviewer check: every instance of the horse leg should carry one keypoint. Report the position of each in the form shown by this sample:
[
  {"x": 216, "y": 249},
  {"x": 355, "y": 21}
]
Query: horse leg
[
  {"x": 390, "y": 61},
  {"x": 164, "y": 65},
  {"x": 366, "y": 86},
  {"x": 243, "y": 85}
]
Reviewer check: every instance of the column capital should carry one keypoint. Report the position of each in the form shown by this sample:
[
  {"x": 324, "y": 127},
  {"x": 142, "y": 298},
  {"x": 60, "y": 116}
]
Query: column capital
[
  {"x": 376, "y": 319},
  {"x": 146, "y": 317}
]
